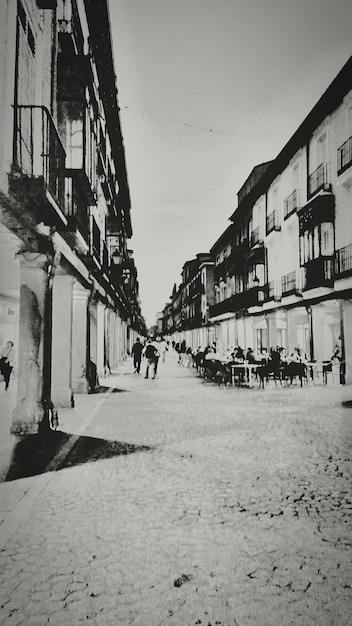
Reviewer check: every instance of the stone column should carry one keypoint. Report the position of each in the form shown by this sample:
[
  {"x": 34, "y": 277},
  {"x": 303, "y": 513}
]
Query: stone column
[
  {"x": 93, "y": 331},
  {"x": 34, "y": 334},
  {"x": 62, "y": 394},
  {"x": 291, "y": 330},
  {"x": 80, "y": 339},
  {"x": 272, "y": 331},
  {"x": 100, "y": 338}
]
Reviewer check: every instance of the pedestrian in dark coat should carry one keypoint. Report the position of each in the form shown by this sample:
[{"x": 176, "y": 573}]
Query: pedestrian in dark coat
[{"x": 137, "y": 349}]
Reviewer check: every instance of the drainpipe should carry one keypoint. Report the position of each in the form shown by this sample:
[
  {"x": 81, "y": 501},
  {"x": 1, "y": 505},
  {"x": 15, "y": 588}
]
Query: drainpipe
[{"x": 50, "y": 416}]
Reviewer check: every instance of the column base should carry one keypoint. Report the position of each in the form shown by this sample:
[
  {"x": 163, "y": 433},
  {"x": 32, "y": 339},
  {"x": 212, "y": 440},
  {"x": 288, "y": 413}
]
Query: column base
[
  {"x": 27, "y": 418},
  {"x": 63, "y": 397},
  {"x": 80, "y": 385}
]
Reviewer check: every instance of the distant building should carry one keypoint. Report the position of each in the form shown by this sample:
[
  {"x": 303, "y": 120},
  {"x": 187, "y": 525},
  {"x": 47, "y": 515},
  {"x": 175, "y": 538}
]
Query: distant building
[{"x": 187, "y": 314}]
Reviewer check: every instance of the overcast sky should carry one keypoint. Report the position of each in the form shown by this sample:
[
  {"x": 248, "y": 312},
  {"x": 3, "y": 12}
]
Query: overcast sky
[{"x": 235, "y": 78}]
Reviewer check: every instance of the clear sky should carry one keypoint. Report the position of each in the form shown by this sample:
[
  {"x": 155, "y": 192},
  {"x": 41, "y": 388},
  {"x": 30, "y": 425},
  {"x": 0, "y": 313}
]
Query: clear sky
[{"x": 236, "y": 78}]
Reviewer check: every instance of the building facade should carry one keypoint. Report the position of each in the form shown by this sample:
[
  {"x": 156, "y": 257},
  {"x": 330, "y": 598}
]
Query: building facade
[
  {"x": 283, "y": 267},
  {"x": 64, "y": 202},
  {"x": 288, "y": 275},
  {"x": 186, "y": 316}
]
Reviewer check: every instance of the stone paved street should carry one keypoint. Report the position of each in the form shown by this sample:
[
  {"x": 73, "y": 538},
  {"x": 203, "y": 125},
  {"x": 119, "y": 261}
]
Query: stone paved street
[{"x": 182, "y": 503}]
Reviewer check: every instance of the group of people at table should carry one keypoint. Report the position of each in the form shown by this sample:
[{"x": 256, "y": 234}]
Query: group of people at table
[{"x": 238, "y": 365}]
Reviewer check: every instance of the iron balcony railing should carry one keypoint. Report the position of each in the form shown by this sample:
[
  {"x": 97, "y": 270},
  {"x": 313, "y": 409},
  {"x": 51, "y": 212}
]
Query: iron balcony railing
[
  {"x": 256, "y": 237},
  {"x": 318, "y": 180},
  {"x": 343, "y": 260},
  {"x": 291, "y": 204},
  {"x": 243, "y": 300},
  {"x": 344, "y": 156},
  {"x": 293, "y": 282},
  {"x": 38, "y": 151},
  {"x": 272, "y": 222}
]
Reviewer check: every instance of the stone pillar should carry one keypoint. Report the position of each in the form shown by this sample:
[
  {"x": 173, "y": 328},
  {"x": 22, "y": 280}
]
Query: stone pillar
[
  {"x": 80, "y": 339},
  {"x": 34, "y": 334},
  {"x": 291, "y": 330},
  {"x": 272, "y": 331},
  {"x": 62, "y": 394},
  {"x": 93, "y": 339},
  {"x": 100, "y": 338}
]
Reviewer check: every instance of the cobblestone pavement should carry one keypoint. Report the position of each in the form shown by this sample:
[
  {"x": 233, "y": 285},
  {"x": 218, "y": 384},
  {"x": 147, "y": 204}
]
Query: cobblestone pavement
[{"x": 216, "y": 506}]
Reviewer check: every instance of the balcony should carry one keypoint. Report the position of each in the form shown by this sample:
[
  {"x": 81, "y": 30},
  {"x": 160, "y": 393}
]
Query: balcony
[
  {"x": 239, "y": 301},
  {"x": 318, "y": 180},
  {"x": 343, "y": 262},
  {"x": 273, "y": 291},
  {"x": 320, "y": 272},
  {"x": 38, "y": 179},
  {"x": 221, "y": 271},
  {"x": 291, "y": 204},
  {"x": 256, "y": 238},
  {"x": 293, "y": 283},
  {"x": 344, "y": 156},
  {"x": 272, "y": 222},
  {"x": 318, "y": 210}
]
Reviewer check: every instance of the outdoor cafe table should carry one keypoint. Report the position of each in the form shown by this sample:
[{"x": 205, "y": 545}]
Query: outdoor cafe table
[{"x": 248, "y": 369}]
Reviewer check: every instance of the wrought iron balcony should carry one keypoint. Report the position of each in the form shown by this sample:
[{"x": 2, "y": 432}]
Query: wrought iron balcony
[
  {"x": 221, "y": 271},
  {"x": 344, "y": 156},
  {"x": 272, "y": 222},
  {"x": 318, "y": 180},
  {"x": 343, "y": 261},
  {"x": 251, "y": 297},
  {"x": 256, "y": 237},
  {"x": 320, "y": 272},
  {"x": 293, "y": 282},
  {"x": 38, "y": 179},
  {"x": 291, "y": 204}
]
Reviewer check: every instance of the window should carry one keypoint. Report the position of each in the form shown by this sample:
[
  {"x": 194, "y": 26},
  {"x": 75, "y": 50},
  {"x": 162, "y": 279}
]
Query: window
[{"x": 327, "y": 239}]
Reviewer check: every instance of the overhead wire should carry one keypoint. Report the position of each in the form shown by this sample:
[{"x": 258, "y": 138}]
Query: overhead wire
[{"x": 189, "y": 125}]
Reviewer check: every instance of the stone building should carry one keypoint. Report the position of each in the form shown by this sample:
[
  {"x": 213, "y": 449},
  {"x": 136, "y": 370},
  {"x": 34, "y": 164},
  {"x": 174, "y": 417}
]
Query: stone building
[
  {"x": 284, "y": 266},
  {"x": 186, "y": 316},
  {"x": 64, "y": 202}
]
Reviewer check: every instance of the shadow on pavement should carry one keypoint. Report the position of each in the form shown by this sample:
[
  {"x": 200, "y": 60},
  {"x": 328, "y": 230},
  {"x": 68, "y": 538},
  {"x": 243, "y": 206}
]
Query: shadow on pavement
[
  {"x": 347, "y": 404},
  {"x": 101, "y": 389},
  {"x": 32, "y": 455}
]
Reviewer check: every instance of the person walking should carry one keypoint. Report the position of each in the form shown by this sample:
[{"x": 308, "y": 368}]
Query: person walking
[
  {"x": 137, "y": 350},
  {"x": 162, "y": 347},
  {"x": 7, "y": 361},
  {"x": 151, "y": 354}
]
